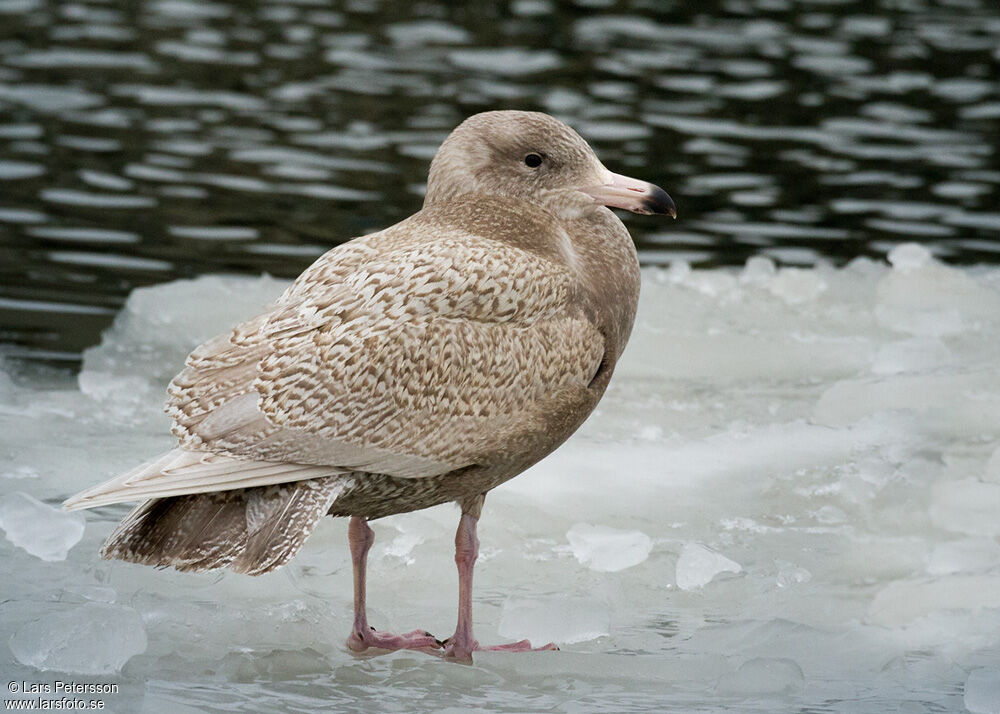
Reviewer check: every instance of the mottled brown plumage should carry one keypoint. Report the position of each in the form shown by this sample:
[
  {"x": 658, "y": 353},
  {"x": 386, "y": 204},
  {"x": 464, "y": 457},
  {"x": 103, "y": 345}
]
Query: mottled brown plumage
[
  {"x": 249, "y": 530},
  {"x": 425, "y": 363}
]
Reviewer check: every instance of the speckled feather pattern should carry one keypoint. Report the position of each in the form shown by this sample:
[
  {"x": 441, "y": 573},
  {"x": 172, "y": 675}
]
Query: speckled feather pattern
[
  {"x": 249, "y": 530},
  {"x": 469, "y": 332},
  {"x": 424, "y": 363}
]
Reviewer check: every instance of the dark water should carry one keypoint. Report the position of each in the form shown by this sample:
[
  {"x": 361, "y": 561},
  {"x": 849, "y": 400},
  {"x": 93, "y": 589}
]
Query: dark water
[{"x": 145, "y": 141}]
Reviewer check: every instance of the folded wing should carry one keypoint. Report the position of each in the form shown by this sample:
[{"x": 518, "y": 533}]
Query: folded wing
[{"x": 401, "y": 357}]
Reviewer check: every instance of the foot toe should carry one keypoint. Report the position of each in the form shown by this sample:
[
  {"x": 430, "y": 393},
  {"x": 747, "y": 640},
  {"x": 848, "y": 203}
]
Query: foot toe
[
  {"x": 522, "y": 646},
  {"x": 374, "y": 639}
]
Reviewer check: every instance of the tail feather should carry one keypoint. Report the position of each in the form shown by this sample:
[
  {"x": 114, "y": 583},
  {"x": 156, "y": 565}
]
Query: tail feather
[
  {"x": 181, "y": 472},
  {"x": 249, "y": 530}
]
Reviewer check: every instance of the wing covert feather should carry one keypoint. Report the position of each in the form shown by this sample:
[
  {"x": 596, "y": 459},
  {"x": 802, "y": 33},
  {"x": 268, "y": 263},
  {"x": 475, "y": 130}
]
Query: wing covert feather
[{"x": 399, "y": 361}]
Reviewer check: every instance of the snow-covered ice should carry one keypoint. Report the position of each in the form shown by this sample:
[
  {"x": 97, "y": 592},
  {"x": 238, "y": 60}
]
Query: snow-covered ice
[
  {"x": 833, "y": 433},
  {"x": 40, "y": 529}
]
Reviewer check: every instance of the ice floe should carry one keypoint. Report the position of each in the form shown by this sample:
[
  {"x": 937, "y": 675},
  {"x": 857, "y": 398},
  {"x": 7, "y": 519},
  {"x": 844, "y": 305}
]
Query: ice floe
[{"x": 788, "y": 496}]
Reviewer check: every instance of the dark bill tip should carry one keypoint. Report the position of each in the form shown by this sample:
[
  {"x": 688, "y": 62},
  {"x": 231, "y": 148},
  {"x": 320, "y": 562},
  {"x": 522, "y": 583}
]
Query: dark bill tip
[
  {"x": 619, "y": 191},
  {"x": 659, "y": 201}
]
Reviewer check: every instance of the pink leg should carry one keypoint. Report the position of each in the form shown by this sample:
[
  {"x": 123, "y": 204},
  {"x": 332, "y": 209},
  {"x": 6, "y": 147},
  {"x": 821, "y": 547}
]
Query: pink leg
[
  {"x": 361, "y": 537},
  {"x": 462, "y": 644}
]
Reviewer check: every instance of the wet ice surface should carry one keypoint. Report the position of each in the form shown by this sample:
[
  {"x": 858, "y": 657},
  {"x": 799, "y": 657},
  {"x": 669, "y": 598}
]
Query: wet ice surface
[
  {"x": 982, "y": 691},
  {"x": 814, "y": 453},
  {"x": 95, "y": 638}
]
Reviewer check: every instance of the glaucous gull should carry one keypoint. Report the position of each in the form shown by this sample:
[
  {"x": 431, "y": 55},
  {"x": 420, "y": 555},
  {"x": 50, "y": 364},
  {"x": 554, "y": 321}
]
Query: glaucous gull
[{"x": 425, "y": 363}]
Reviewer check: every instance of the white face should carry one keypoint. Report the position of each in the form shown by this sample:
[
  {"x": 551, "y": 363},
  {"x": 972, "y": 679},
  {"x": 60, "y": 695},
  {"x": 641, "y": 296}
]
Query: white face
[{"x": 526, "y": 155}]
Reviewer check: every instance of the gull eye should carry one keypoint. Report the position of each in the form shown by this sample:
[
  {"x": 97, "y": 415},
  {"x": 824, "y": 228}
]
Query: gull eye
[{"x": 533, "y": 160}]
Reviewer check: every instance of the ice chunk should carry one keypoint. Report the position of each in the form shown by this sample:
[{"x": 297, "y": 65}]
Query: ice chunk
[
  {"x": 903, "y": 601},
  {"x": 918, "y": 354},
  {"x": 40, "y": 529},
  {"x": 608, "y": 550},
  {"x": 969, "y": 554},
  {"x": 758, "y": 271},
  {"x": 95, "y": 638},
  {"x": 719, "y": 286},
  {"x": 982, "y": 691},
  {"x": 966, "y": 506},
  {"x": 923, "y": 297},
  {"x": 698, "y": 565},
  {"x": 909, "y": 256},
  {"x": 146, "y": 346},
  {"x": 762, "y": 675},
  {"x": 122, "y": 396},
  {"x": 160, "y": 324},
  {"x": 678, "y": 272},
  {"x": 562, "y": 620},
  {"x": 717, "y": 326},
  {"x": 953, "y": 403},
  {"x": 795, "y": 285}
]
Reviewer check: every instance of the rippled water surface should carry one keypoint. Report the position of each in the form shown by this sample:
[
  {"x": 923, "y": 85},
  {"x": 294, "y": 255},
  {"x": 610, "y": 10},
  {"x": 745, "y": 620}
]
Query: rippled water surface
[{"x": 145, "y": 141}]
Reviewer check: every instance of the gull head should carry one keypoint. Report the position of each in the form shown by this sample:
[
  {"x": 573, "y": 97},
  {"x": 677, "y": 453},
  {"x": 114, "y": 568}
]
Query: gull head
[{"x": 532, "y": 156}]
